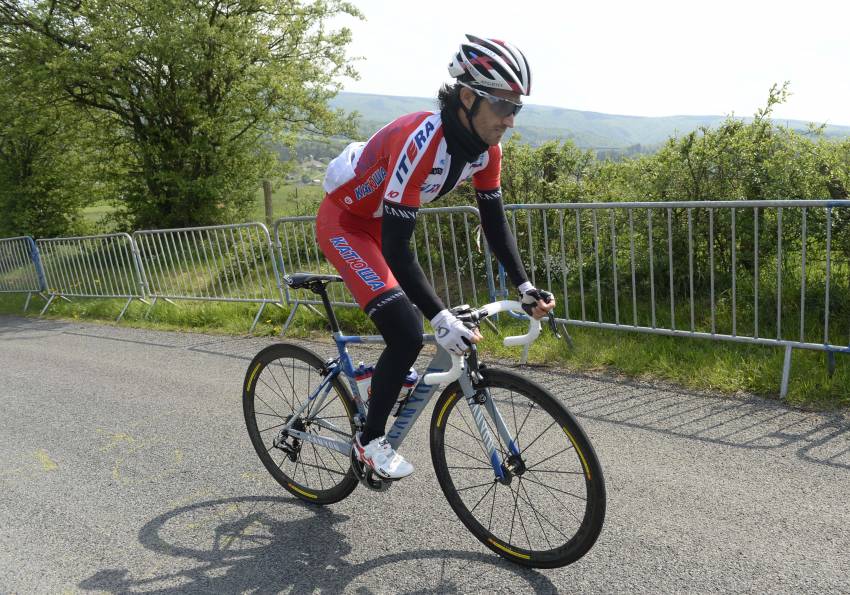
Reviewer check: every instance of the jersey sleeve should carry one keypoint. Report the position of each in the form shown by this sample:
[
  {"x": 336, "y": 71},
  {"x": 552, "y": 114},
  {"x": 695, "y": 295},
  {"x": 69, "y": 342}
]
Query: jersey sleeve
[{"x": 490, "y": 177}]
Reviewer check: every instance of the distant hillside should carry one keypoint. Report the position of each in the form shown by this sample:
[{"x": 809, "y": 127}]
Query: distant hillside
[{"x": 537, "y": 124}]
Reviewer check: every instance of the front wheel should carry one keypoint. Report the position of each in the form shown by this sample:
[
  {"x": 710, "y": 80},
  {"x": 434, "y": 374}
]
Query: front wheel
[{"x": 548, "y": 508}]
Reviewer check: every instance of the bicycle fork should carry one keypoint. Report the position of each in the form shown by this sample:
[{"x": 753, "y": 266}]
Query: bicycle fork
[{"x": 504, "y": 470}]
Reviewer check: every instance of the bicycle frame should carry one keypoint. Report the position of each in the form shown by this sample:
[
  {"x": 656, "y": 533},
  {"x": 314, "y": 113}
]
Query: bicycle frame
[{"x": 413, "y": 407}]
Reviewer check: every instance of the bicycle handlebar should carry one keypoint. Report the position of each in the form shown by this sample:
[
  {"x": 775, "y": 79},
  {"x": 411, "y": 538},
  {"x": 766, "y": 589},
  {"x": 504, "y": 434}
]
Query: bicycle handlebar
[{"x": 490, "y": 309}]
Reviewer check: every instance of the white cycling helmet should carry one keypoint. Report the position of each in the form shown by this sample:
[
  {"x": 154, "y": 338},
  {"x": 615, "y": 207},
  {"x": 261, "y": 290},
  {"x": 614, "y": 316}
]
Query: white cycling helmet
[{"x": 491, "y": 63}]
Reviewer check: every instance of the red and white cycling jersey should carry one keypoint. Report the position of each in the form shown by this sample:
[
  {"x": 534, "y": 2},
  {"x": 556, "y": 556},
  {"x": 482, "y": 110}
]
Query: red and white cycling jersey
[{"x": 405, "y": 162}]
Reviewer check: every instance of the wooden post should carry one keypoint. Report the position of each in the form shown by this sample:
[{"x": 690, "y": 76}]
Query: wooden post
[{"x": 267, "y": 195}]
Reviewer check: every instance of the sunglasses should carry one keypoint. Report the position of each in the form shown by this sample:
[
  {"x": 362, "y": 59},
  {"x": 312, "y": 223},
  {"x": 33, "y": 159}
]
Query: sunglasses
[{"x": 500, "y": 106}]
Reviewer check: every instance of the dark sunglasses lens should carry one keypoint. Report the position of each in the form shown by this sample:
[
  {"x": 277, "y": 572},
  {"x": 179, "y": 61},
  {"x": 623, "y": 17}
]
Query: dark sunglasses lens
[{"x": 504, "y": 108}]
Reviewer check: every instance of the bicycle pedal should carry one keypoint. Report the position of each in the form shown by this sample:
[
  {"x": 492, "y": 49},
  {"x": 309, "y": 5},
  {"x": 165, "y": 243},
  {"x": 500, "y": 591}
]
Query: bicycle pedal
[{"x": 369, "y": 478}]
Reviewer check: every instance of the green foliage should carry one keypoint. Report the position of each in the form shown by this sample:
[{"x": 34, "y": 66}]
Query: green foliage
[
  {"x": 201, "y": 91},
  {"x": 52, "y": 156}
]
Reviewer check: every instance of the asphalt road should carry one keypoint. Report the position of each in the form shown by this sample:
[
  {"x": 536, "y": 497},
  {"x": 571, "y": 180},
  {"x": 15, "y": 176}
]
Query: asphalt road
[{"x": 125, "y": 467}]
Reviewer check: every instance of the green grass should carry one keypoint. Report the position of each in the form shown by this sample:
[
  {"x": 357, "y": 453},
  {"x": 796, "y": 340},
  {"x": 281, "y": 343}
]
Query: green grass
[{"x": 697, "y": 364}]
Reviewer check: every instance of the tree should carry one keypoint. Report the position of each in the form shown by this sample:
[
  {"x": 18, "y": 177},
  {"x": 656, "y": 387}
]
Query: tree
[
  {"x": 200, "y": 89},
  {"x": 50, "y": 163}
]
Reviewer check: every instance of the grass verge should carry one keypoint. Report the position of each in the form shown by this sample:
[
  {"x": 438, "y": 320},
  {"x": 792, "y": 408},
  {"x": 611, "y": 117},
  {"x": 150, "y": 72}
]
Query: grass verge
[{"x": 698, "y": 364}]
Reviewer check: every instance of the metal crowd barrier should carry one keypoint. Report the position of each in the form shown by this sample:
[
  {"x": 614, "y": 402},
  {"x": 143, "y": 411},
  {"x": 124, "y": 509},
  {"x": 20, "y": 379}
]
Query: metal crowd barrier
[
  {"x": 445, "y": 242},
  {"x": 20, "y": 267},
  {"x": 227, "y": 263},
  {"x": 758, "y": 272},
  {"x": 100, "y": 266}
]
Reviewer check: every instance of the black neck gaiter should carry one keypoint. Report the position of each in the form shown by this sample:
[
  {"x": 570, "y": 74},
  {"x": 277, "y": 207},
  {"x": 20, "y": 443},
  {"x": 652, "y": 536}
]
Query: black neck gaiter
[{"x": 461, "y": 142}]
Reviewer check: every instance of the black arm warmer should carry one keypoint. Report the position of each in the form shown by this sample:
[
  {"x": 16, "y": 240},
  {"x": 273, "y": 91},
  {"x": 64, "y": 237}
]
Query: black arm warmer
[
  {"x": 498, "y": 234},
  {"x": 396, "y": 231}
]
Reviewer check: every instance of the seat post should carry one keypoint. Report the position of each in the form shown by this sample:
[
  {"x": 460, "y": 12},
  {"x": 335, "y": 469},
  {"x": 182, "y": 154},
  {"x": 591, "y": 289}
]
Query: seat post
[{"x": 321, "y": 289}]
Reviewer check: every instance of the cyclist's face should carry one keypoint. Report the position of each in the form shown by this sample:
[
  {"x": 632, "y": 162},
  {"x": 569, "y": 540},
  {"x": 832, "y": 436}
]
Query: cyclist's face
[{"x": 488, "y": 124}]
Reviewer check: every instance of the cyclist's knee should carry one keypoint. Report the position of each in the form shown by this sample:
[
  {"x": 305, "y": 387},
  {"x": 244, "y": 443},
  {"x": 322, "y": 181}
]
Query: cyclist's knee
[{"x": 397, "y": 320}]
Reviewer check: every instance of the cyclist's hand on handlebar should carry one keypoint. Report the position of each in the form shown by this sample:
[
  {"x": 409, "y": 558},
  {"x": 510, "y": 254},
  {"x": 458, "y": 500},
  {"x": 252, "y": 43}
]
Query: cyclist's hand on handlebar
[
  {"x": 537, "y": 303},
  {"x": 452, "y": 334}
]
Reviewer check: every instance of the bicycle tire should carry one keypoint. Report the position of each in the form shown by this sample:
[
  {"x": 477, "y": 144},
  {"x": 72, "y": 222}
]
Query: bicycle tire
[
  {"x": 327, "y": 477},
  {"x": 565, "y": 538}
]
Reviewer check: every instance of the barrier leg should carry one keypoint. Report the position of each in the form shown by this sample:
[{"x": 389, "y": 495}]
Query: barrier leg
[
  {"x": 47, "y": 305},
  {"x": 153, "y": 303},
  {"x": 786, "y": 371},
  {"x": 127, "y": 305},
  {"x": 289, "y": 319},
  {"x": 830, "y": 363},
  {"x": 257, "y": 318},
  {"x": 27, "y": 304},
  {"x": 567, "y": 336}
]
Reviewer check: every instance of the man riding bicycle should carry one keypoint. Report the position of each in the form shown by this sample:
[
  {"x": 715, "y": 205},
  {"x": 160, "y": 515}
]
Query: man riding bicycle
[{"x": 373, "y": 193}]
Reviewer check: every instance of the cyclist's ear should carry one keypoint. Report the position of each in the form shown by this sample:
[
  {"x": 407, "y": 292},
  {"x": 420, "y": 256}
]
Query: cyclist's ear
[{"x": 467, "y": 97}]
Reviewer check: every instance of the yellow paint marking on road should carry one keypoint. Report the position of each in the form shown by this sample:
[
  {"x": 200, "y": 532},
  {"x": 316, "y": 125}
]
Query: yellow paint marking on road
[
  {"x": 46, "y": 463},
  {"x": 178, "y": 456},
  {"x": 116, "y": 439}
]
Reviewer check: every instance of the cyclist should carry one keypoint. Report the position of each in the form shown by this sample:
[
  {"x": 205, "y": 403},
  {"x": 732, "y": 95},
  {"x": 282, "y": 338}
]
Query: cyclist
[{"x": 373, "y": 192}]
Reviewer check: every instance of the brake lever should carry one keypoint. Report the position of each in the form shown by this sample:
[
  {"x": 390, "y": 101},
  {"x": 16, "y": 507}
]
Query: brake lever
[{"x": 552, "y": 325}]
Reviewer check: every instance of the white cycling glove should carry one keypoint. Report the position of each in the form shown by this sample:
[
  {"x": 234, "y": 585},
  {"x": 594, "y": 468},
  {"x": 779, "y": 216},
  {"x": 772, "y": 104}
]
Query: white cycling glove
[
  {"x": 530, "y": 296},
  {"x": 451, "y": 333}
]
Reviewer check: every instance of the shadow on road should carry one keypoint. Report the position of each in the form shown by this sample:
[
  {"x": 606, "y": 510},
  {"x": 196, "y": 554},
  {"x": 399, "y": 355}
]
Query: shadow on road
[
  {"x": 752, "y": 423},
  {"x": 24, "y": 329},
  {"x": 271, "y": 544}
]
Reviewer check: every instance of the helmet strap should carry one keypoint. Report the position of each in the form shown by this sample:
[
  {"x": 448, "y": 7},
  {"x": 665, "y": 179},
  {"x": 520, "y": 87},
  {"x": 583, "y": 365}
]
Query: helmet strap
[{"x": 470, "y": 113}]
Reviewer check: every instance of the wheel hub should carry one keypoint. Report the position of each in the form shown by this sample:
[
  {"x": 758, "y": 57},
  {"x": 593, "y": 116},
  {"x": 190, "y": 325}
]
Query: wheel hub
[{"x": 281, "y": 441}]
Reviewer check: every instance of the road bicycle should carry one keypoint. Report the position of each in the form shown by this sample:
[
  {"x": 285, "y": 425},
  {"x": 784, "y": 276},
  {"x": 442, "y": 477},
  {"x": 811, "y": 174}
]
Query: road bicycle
[{"x": 512, "y": 461}]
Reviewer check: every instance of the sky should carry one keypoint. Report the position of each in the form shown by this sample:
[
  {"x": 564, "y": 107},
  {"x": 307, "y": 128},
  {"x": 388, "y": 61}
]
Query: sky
[{"x": 647, "y": 58}]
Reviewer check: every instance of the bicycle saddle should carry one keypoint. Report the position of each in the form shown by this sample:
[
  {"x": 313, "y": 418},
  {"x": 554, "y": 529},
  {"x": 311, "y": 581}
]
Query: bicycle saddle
[{"x": 309, "y": 280}]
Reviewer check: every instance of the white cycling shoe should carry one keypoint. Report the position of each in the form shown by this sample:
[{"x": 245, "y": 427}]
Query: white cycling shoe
[{"x": 379, "y": 456}]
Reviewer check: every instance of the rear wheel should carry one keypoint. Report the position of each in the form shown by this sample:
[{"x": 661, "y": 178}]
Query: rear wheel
[
  {"x": 279, "y": 381},
  {"x": 549, "y": 509}
]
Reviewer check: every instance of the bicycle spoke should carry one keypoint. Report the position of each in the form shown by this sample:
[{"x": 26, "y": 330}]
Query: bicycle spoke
[
  {"x": 475, "y": 486},
  {"x": 332, "y": 458},
  {"x": 522, "y": 522},
  {"x": 519, "y": 431},
  {"x": 492, "y": 509},
  {"x": 280, "y": 425},
  {"x": 259, "y": 398},
  {"x": 538, "y": 437},
  {"x": 321, "y": 484},
  {"x": 467, "y": 455},
  {"x": 513, "y": 517},
  {"x": 548, "y": 487},
  {"x": 484, "y": 496},
  {"x": 554, "y": 471},
  {"x": 549, "y": 457},
  {"x": 567, "y": 537},
  {"x": 327, "y": 403},
  {"x": 449, "y": 424},
  {"x": 536, "y": 515},
  {"x": 282, "y": 393},
  {"x": 289, "y": 379},
  {"x": 328, "y": 469},
  {"x": 471, "y": 468}
]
